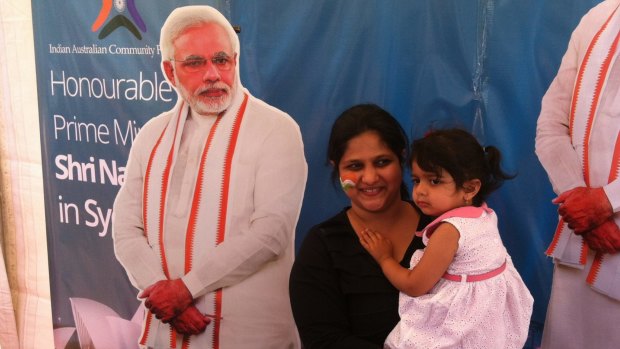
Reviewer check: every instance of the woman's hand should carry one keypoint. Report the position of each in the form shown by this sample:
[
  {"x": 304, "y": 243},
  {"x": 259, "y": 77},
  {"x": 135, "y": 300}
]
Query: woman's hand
[{"x": 378, "y": 246}]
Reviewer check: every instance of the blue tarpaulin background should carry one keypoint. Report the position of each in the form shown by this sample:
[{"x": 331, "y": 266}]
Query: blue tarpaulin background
[{"x": 483, "y": 65}]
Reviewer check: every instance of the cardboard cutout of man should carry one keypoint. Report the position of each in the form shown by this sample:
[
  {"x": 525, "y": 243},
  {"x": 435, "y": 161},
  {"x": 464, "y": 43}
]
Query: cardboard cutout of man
[
  {"x": 204, "y": 224},
  {"x": 578, "y": 143}
]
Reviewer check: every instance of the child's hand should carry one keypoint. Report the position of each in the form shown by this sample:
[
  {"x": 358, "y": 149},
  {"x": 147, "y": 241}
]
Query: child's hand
[{"x": 379, "y": 247}]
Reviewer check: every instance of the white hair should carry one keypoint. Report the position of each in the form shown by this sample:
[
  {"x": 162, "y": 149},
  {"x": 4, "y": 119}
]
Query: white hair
[{"x": 184, "y": 17}]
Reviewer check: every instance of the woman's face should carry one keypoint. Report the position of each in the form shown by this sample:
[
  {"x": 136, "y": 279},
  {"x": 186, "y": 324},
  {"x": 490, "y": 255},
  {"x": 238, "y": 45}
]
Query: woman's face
[{"x": 374, "y": 171}]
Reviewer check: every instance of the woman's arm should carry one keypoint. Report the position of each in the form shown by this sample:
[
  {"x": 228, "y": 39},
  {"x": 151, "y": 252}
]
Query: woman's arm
[{"x": 437, "y": 257}]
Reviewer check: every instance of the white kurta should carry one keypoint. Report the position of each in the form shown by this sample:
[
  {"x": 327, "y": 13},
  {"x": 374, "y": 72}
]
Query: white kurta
[
  {"x": 253, "y": 263},
  {"x": 578, "y": 316}
]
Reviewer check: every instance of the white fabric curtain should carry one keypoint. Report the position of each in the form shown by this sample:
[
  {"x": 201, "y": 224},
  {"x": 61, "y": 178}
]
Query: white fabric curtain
[{"x": 25, "y": 311}]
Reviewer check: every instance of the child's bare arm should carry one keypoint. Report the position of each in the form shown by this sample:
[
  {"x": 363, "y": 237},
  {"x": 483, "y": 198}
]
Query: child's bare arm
[{"x": 437, "y": 257}]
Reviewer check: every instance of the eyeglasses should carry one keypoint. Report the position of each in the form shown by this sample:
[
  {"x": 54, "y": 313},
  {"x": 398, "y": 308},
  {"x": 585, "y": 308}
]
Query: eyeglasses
[{"x": 221, "y": 61}]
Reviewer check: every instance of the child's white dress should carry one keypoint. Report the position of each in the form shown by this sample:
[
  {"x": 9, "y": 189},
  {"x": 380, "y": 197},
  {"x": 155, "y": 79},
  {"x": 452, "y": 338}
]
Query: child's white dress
[{"x": 493, "y": 313}]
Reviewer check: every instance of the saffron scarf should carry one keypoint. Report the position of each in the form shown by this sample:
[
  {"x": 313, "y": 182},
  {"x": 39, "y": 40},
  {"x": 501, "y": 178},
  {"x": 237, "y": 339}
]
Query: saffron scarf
[{"x": 206, "y": 226}]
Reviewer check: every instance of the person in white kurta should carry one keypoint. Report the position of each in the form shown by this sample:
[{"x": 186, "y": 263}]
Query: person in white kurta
[
  {"x": 578, "y": 144},
  {"x": 210, "y": 204}
]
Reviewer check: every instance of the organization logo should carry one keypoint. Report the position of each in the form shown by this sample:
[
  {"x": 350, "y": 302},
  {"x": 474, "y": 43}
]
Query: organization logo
[{"x": 119, "y": 20}]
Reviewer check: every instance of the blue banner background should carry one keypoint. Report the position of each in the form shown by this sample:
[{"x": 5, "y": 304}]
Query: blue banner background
[{"x": 480, "y": 64}]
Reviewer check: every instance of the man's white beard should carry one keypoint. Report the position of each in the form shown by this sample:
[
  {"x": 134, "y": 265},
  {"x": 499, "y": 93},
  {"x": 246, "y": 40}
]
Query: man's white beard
[{"x": 207, "y": 106}]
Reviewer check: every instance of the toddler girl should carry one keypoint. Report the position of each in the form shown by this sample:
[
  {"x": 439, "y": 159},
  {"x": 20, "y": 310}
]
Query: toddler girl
[{"x": 462, "y": 290}]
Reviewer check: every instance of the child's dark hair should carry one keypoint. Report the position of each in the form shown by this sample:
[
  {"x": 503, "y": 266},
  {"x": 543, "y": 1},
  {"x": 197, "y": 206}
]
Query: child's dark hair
[
  {"x": 359, "y": 119},
  {"x": 459, "y": 153}
]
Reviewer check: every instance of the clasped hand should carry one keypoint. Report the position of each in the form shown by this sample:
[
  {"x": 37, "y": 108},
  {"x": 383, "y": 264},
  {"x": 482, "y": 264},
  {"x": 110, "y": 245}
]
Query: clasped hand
[
  {"x": 166, "y": 298},
  {"x": 604, "y": 238},
  {"x": 171, "y": 302},
  {"x": 584, "y": 209},
  {"x": 190, "y": 321}
]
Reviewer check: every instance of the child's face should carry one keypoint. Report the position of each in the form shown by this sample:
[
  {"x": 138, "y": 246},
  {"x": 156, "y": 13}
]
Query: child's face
[{"x": 434, "y": 194}]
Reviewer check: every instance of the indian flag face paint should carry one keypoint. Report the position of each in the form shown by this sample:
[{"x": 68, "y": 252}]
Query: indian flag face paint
[{"x": 347, "y": 183}]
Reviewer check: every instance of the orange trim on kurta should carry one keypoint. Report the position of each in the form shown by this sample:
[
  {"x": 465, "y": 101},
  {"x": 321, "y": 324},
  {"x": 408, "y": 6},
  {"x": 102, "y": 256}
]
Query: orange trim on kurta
[
  {"x": 147, "y": 177},
  {"x": 226, "y": 175},
  {"x": 583, "y": 257},
  {"x": 221, "y": 230},
  {"x": 556, "y": 238},
  {"x": 594, "y": 270},
  {"x": 186, "y": 342},
  {"x": 173, "y": 337},
  {"x": 162, "y": 201},
  {"x": 191, "y": 226},
  {"x": 147, "y": 325},
  {"x": 586, "y": 59},
  {"x": 615, "y": 162},
  {"x": 216, "y": 321},
  {"x": 594, "y": 106}
]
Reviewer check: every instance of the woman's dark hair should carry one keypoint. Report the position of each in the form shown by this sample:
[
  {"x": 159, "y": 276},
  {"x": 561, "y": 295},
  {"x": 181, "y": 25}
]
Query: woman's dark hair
[
  {"x": 362, "y": 118},
  {"x": 459, "y": 153}
]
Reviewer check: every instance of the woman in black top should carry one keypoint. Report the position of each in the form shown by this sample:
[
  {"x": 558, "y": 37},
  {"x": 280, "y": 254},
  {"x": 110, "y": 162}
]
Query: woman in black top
[{"x": 340, "y": 297}]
